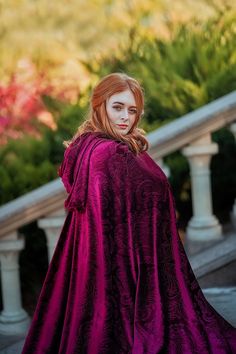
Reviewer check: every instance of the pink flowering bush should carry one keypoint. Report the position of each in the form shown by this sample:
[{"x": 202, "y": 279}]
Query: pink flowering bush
[{"x": 22, "y": 108}]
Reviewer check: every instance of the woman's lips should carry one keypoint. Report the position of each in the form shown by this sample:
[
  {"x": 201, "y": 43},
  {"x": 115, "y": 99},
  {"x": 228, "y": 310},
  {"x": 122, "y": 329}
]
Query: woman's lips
[{"x": 122, "y": 126}]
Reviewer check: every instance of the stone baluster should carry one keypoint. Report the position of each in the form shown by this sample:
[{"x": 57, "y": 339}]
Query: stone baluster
[
  {"x": 203, "y": 229},
  {"x": 233, "y": 212},
  {"x": 13, "y": 318},
  {"x": 52, "y": 225}
]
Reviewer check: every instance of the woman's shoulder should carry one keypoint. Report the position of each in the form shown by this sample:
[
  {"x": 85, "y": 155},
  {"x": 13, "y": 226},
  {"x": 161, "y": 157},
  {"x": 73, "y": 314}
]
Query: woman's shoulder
[{"x": 107, "y": 145}]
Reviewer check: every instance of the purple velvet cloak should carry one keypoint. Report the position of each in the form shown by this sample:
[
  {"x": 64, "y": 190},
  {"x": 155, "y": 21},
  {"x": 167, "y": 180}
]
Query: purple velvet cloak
[{"x": 120, "y": 281}]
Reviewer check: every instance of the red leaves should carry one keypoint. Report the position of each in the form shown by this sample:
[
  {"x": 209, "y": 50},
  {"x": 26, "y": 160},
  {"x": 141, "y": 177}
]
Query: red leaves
[{"x": 22, "y": 109}]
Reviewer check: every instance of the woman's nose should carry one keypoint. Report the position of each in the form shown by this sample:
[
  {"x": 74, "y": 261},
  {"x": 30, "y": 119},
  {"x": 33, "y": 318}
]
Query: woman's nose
[{"x": 125, "y": 114}]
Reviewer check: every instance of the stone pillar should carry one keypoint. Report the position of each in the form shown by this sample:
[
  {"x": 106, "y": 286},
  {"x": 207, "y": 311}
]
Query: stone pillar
[
  {"x": 233, "y": 212},
  {"x": 13, "y": 318},
  {"x": 203, "y": 229},
  {"x": 52, "y": 225}
]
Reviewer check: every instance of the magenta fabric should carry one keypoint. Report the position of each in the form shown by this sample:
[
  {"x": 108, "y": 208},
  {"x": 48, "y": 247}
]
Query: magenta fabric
[{"x": 120, "y": 281}]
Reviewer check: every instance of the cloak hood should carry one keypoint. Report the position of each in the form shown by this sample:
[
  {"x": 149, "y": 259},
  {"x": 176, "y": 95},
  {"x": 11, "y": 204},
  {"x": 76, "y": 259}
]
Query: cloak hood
[{"x": 74, "y": 169}]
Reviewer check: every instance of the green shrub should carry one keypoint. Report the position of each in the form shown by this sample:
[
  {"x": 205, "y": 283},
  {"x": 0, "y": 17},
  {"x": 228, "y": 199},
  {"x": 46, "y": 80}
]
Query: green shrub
[{"x": 196, "y": 66}]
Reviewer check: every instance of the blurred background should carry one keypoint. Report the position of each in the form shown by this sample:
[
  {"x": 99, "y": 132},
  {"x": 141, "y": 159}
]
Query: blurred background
[{"x": 52, "y": 53}]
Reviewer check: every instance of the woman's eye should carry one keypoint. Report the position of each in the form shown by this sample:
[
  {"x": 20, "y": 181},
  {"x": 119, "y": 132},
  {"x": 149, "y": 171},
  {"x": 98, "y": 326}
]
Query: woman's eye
[
  {"x": 133, "y": 111},
  {"x": 117, "y": 107}
]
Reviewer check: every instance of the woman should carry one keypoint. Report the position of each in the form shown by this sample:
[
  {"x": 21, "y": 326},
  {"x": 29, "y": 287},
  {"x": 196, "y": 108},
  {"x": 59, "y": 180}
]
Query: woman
[{"x": 119, "y": 280}]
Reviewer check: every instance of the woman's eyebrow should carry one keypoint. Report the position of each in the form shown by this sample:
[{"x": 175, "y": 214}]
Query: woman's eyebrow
[{"x": 123, "y": 104}]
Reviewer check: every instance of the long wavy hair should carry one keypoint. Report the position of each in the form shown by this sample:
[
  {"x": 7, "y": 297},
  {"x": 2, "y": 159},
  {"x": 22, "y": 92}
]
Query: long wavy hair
[{"x": 97, "y": 119}]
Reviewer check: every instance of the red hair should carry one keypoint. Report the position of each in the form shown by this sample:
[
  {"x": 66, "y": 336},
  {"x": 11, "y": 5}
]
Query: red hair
[{"x": 97, "y": 119}]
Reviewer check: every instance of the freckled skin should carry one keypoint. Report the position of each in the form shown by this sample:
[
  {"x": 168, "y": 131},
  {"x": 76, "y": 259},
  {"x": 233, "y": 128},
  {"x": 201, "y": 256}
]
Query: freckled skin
[{"x": 123, "y": 112}]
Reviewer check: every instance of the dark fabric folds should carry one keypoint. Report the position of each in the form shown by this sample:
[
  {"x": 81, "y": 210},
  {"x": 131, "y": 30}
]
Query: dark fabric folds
[{"x": 120, "y": 281}]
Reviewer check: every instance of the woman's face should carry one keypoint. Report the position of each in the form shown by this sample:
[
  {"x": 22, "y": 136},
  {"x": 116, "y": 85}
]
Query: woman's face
[{"x": 122, "y": 110}]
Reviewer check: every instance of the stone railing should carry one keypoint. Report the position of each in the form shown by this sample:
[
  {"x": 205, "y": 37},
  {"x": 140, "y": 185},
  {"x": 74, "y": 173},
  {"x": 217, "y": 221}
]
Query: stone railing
[{"x": 191, "y": 134}]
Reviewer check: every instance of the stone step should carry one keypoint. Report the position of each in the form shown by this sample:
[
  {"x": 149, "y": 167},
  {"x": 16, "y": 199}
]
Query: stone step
[
  {"x": 216, "y": 259},
  {"x": 11, "y": 344},
  {"x": 224, "y": 302}
]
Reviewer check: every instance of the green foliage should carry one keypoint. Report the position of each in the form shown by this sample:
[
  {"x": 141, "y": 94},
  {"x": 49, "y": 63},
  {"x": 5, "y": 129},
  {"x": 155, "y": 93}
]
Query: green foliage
[
  {"x": 194, "y": 67},
  {"x": 24, "y": 165},
  {"x": 68, "y": 117}
]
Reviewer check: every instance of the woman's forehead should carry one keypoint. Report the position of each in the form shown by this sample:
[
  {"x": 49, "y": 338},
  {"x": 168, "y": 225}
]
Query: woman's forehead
[{"x": 125, "y": 97}]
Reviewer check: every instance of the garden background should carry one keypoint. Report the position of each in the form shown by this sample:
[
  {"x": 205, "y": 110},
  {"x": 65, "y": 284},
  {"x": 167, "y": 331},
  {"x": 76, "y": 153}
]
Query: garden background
[{"x": 53, "y": 53}]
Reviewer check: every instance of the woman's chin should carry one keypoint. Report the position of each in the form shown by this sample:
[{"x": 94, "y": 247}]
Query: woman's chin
[{"x": 123, "y": 131}]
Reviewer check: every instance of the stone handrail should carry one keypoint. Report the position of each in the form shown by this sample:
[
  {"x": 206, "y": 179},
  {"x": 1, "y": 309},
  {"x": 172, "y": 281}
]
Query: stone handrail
[
  {"x": 31, "y": 206},
  {"x": 193, "y": 125}
]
